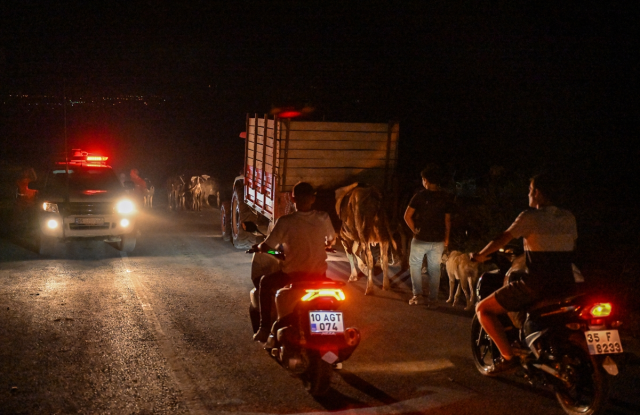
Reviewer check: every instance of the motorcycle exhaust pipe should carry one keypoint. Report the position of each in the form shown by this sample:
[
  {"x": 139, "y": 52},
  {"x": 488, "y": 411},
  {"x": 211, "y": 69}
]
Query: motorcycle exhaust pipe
[{"x": 352, "y": 336}]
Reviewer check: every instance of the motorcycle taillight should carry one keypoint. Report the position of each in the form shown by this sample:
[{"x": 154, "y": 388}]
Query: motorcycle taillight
[
  {"x": 336, "y": 293},
  {"x": 597, "y": 311},
  {"x": 600, "y": 310}
]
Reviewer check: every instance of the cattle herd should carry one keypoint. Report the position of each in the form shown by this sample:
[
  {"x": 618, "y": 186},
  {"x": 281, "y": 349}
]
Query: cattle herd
[{"x": 191, "y": 192}]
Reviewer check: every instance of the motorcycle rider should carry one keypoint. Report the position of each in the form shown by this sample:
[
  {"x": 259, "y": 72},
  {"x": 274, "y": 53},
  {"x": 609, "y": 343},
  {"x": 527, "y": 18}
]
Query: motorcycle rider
[
  {"x": 549, "y": 241},
  {"x": 303, "y": 235}
]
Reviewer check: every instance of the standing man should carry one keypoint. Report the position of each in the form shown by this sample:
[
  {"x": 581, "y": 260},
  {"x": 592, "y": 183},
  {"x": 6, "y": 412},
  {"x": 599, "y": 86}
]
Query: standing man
[{"x": 429, "y": 218}]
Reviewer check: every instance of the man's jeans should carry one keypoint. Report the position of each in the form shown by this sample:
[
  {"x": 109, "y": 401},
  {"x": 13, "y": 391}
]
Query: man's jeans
[{"x": 433, "y": 251}]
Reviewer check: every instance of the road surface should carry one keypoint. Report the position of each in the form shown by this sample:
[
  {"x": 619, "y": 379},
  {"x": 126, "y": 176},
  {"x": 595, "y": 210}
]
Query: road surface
[{"x": 165, "y": 329}]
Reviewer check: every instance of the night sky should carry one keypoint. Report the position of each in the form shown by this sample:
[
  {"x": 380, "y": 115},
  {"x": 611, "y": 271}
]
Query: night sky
[{"x": 473, "y": 85}]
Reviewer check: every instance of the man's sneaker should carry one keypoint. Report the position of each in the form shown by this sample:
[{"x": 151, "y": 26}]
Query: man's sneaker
[
  {"x": 502, "y": 365},
  {"x": 261, "y": 335},
  {"x": 415, "y": 300}
]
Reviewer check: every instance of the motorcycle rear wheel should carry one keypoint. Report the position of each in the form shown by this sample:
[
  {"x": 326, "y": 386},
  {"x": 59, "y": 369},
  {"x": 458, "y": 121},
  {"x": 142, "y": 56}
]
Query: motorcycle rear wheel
[
  {"x": 589, "y": 385},
  {"x": 483, "y": 349},
  {"x": 317, "y": 377}
]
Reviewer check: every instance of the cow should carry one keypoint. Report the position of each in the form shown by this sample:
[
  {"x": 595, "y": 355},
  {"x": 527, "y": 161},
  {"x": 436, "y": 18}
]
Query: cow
[
  {"x": 364, "y": 224},
  {"x": 195, "y": 191},
  {"x": 148, "y": 194},
  {"x": 176, "y": 192},
  {"x": 210, "y": 191}
]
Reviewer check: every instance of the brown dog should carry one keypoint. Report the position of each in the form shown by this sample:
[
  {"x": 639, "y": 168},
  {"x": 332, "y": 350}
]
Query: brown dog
[{"x": 460, "y": 267}]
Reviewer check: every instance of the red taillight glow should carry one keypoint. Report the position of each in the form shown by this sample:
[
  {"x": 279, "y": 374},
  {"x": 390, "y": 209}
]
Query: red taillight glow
[
  {"x": 289, "y": 114},
  {"x": 93, "y": 192},
  {"x": 324, "y": 292},
  {"x": 600, "y": 310}
]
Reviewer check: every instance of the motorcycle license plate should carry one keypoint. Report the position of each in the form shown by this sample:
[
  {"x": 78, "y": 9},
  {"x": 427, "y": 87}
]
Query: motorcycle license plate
[
  {"x": 603, "y": 341},
  {"x": 90, "y": 221},
  {"x": 326, "y": 322}
]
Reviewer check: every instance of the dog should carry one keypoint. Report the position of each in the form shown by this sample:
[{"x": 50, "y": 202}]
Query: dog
[{"x": 460, "y": 267}]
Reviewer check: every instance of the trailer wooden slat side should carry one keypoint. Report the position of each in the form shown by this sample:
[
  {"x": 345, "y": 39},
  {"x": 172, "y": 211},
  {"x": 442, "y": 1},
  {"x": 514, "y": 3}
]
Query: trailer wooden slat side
[
  {"x": 259, "y": 175},
  {"x": 341, "y": 157},
  {"x": 280, "y": 153},
  {"x": 350, "y": 145}
]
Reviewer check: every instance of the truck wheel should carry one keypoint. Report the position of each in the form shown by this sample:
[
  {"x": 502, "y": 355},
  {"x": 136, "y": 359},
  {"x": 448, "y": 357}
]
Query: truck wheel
[
  {"x": 46, "y": 245},
  {"x": 225, "y": 220},
  {"x": 240, "y": 212},
  {"x": 127, "y": 243}
]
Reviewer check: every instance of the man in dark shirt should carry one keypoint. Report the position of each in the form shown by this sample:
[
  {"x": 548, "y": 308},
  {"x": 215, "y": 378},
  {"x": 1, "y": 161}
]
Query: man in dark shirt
[{"x": 429, "y": 218}]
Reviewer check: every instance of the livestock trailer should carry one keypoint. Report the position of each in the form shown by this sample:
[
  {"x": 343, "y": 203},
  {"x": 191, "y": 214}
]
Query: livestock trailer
[{"x": 280, "y": 152}]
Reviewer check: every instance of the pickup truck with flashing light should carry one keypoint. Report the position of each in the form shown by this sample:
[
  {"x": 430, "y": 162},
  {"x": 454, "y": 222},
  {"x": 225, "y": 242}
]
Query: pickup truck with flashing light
[{"x": 81, "y": 198}]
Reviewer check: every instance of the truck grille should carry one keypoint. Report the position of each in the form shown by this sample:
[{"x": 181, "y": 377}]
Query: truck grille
[
  {"x": 88, "y": 208},
  {"x": 75, "y": 227}
]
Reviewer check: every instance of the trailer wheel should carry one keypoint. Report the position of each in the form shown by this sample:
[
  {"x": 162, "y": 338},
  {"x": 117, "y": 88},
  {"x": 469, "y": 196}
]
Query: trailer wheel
[
  {"x": 240, "y": 212},
  {"x": 127, "y": 243},
  {"x": 225, "y": 220},
  {"x": 46, "y": 245}
]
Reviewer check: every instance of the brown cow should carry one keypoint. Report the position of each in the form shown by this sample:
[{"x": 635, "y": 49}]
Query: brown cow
[
  {"x": 175, "y": 192},
  {"x": 364, "y": 224},
  {"x": 195, "y": 191}
]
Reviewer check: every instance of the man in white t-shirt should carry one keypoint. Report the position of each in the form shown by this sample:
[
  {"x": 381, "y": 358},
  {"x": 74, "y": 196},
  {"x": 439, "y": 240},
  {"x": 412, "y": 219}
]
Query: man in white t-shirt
[
  {"x": 549, "y": 242},
  {"x": 303, "y": 236}
]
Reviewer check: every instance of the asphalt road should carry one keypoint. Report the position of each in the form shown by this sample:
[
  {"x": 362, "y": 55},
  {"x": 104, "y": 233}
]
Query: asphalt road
[{"x": 165, "y": 329}]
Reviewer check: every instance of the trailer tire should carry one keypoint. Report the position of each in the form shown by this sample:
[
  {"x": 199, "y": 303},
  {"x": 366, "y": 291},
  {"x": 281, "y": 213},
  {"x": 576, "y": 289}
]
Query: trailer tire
[
  {"x": 127, "y": 243},
  {"x": 240, "y": 212},
  {"x": 46, "y": 245},
  {"x": 225, "y": 220}
]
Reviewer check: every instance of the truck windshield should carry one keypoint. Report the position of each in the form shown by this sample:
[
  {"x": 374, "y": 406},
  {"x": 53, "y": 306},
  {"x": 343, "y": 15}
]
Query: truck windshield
[{"x": 86, "y": 178}]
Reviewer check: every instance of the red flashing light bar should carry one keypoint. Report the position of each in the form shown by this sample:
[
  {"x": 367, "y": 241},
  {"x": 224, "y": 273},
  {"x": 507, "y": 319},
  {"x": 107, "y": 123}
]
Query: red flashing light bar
[{"x": 97, "y": 158}]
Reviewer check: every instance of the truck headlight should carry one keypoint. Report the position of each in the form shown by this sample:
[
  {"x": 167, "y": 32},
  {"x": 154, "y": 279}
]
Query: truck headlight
[
  {"x": 125, "y": 207},
  {"x": 50, "y": 207}
]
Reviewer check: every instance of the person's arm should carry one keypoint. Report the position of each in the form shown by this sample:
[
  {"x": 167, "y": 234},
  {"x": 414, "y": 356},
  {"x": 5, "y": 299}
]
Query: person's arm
[
  {"x": 264, "y": 247},
  {"x": 274, "y": 238},
  {"x": 330, "y": 233},
  {"x": 408, "y": 218},
  {"x": 447, "y": 229},
  {"x": 492, "y": 247}
]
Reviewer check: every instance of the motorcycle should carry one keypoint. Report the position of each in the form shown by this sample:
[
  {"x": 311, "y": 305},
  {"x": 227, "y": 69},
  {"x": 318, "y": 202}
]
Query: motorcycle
[
  {"x": 308, "y": 336},
  {"x": 568, "y": 343}
]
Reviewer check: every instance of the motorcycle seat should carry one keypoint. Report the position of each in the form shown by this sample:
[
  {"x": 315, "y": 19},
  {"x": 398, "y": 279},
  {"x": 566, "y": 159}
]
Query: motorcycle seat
[
  {"x": 540, "y": 306},
  {"x": 316, "y": 284}
]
